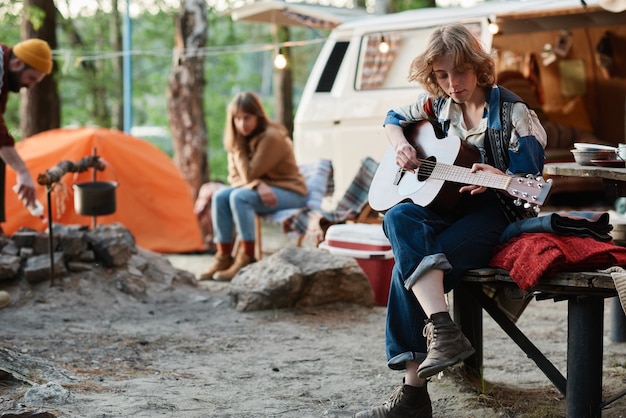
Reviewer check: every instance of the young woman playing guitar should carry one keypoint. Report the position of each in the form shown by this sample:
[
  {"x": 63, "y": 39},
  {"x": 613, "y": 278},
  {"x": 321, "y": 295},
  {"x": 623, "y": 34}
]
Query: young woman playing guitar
[{"x": 433, "y": 248}]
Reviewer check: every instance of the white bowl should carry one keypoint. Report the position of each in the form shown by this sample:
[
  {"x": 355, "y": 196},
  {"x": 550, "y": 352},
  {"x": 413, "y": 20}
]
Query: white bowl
[
  {"x": 584, "y": 157},
  {"x": 584, "y": 146}
]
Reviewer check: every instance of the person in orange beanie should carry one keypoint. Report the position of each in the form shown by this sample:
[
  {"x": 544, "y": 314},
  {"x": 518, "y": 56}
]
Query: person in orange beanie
[{"x": 21, "y": 66}]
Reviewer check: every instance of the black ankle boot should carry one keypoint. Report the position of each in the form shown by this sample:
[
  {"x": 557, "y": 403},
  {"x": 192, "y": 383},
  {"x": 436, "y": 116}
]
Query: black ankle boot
[{"x": 405, "y": 402}]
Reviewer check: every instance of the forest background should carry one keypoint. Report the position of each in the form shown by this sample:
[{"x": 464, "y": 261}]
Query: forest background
[{"x": 86, "y": 86}]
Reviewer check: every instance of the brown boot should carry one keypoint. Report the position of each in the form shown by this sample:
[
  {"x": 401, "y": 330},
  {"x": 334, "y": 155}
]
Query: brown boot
[
  {"x": 446, "y": 345},
  {"x": 222, "y": 262},
  {"x": 405, "y": 402},
  {"x": 241, "y": 260}
]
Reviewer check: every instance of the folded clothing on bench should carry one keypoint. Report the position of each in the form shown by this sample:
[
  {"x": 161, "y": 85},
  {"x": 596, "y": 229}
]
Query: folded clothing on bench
[
  {"x": 533, "y": 255},
  {"x": 581, "y": 224}
]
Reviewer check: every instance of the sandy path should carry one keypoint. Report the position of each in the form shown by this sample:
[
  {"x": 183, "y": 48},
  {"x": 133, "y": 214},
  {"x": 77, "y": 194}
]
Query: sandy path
[{"x": 188, "y": 353}]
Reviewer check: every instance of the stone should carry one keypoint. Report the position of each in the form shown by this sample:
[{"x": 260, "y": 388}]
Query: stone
[
  {"x": 41, "y": 243},
  {"x": 5, "y": 299},
  {"x": 23, "y": 238},
  {"x": 72, "y": 240},
  {"x": 113, "y": 244},
  {"x": 12, "y": 248},
  {"x": 50, "y": 393},
  {"x": 297, "y": 277},
  {"x": 130, "y": 284},
  {"x": 9, "y": 266},
  {"x": 37, "y": 268}
]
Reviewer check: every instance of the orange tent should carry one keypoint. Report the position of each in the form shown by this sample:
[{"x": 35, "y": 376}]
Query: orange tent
[{"x": 152, "y": 199}]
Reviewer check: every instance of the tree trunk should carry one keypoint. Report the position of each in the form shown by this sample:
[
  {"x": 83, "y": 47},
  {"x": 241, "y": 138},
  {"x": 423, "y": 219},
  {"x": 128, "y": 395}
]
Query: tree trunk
[
  {"x": 185, "y": 95},
  {"x": 40, "y": 105},
  {"x": 283, "y": 86}
]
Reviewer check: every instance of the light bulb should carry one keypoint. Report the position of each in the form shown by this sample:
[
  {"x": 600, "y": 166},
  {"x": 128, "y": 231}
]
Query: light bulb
[
  {"x": 280, "y": 62},
  {"x": 383, "y": 47},
  {"x": 492, "y": 25}
]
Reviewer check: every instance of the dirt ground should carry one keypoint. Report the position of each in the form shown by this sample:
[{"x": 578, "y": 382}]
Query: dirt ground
[{"x": 186, "y": 352}]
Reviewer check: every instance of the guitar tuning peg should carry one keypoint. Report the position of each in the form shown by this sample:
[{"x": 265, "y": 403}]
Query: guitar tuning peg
[
  {"x": 537, "y": 208},
  {"x": 539, "y": 178},
  {"x": 526, "y": 205},
  {"x": 517, "y": 202}
]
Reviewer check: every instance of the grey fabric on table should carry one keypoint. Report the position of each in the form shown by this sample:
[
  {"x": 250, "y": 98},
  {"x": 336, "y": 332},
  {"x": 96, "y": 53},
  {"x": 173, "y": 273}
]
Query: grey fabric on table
[{"x": 582, "y": 224}]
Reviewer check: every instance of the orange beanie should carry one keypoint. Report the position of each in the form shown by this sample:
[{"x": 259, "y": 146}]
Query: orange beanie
[{"x": 35, "y": 53}]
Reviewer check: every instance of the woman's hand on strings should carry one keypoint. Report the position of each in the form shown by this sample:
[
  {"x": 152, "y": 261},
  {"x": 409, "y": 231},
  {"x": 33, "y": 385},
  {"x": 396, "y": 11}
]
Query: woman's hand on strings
[
  {"x": 473, "y": 188},
  {"x": 406, "y": 157}
]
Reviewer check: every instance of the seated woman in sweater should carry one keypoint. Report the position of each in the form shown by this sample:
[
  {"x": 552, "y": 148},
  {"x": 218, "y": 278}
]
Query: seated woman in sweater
[{"x": 263, "y": 178}]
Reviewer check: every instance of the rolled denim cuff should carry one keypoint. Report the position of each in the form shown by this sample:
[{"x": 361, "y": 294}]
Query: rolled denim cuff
[
  {"x": 399, "y": 361},
  {"x": 430, "y": 262}
]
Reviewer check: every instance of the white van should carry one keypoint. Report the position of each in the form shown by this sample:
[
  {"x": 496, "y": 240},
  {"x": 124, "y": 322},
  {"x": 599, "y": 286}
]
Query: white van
[{"x": 354, "y": 82}]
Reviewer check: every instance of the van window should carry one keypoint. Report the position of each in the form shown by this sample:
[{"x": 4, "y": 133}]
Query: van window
[
  {"x": 385, "y": 57},
  {"x": 327, "y": 79}
]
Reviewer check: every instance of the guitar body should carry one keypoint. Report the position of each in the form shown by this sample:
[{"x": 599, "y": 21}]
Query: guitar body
[
  {"x": 419, "y": 187},
  {"x": 445, "y": 164}
]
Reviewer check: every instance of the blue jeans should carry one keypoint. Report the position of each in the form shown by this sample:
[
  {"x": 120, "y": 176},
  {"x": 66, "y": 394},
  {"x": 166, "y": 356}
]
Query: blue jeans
[
  {"x": 234, "y": 208},
  {"x": 423, "y": 240}
]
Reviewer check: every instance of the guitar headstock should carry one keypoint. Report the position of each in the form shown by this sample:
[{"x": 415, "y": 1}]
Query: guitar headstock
[{"x": 529, "y": 191}]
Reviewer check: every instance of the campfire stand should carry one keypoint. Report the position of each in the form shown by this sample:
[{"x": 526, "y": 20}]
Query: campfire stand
[{"x": 53, "y": 176}]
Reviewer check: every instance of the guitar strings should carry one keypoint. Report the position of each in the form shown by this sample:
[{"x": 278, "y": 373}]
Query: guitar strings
[{"x": 461, "y": 174}]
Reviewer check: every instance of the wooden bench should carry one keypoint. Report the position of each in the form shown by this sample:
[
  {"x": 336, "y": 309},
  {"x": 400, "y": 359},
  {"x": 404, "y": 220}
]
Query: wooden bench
[{"x": 495, "y": 291}]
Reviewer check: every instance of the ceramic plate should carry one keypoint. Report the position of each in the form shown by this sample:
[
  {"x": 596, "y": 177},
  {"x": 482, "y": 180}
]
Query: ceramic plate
[
  {"x": 609, "y": 163},
  {"x": 592, "y": 147}
]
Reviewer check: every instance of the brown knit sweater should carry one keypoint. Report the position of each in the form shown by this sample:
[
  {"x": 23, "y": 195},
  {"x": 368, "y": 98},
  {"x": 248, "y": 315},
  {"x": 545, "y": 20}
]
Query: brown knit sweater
[{"x": 267, "y": 157}]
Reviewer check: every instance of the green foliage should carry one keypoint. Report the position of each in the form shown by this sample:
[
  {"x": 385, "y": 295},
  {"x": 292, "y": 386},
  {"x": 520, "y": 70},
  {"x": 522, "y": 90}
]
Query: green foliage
[
  {"x": 403, "y": 5},
  {"x": 239, "y": 57},
  {"x": 36, "y": 16}
]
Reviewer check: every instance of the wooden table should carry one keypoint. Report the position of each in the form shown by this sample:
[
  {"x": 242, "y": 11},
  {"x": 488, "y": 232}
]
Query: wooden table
[
  {"x": 612, "y": 175},
  {"x": 584, "y": 293}
]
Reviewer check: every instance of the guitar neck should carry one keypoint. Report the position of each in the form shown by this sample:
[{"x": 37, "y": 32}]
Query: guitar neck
[{"x": 463, "y": 175}]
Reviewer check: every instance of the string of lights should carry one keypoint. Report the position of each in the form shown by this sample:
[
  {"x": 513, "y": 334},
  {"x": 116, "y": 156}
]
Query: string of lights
[{"x": 80, "y": 56}]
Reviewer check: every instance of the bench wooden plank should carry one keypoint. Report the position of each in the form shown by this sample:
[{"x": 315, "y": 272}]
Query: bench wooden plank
[
  {"x": 566, "y": 282},
  {"x": 584, "y": 291}
]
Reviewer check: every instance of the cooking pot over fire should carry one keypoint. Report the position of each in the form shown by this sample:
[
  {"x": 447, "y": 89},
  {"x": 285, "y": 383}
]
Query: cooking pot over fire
[{"x": 95, "y": 198}]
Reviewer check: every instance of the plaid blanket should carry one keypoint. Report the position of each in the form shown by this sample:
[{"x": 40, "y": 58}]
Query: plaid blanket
[
  {"x": 319, "y": 177},
  {"x": 314, "y": 221}
]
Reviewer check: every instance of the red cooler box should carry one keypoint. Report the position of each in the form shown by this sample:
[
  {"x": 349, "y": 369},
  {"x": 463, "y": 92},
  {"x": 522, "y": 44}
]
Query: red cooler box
[{"x": 368, "y": 244}]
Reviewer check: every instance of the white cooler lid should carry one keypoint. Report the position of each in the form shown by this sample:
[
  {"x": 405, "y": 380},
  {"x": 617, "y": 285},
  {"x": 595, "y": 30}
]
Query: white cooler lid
[
  {"x": 358, "y": 233},
  {"x": 383, "y": 255}
]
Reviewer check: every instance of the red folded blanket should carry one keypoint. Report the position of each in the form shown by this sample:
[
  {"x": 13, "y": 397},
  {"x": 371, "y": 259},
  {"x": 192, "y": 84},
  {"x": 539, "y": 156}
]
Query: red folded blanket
[{"x": 532, "y": 255}]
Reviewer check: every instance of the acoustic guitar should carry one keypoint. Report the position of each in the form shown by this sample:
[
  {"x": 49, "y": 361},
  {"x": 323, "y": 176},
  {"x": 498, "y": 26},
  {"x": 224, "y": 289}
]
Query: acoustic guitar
[{"x": 444, "y": 164}]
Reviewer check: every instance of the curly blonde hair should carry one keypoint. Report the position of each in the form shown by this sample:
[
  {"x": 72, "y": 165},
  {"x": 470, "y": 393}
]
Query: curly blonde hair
[{"x": 466, "y": 51}]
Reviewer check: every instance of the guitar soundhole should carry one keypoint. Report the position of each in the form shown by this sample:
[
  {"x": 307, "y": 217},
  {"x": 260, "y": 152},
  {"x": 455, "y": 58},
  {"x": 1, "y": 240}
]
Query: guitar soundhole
[{"x": 426, "y": 168}]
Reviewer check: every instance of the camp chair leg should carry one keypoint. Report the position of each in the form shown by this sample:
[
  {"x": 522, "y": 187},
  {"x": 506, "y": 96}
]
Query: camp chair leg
[
  {"x": 236, "y": 246},
  {"x": 368, "y": 215},
  {"x": 258, "y": 234}
]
